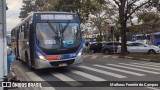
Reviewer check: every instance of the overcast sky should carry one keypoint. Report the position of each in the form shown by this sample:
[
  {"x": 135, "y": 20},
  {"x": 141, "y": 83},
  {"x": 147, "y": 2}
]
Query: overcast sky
[{"x": 13, "y": 13}]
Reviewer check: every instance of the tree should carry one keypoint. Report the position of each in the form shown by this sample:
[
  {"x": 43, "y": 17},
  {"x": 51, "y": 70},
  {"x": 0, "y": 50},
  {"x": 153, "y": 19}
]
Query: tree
[
  {"x": 102, "y": 15},
  {"x": 31, "y": 6},
  {"x": 126, "y": 9},
  {"x": 150, "y": 20}
]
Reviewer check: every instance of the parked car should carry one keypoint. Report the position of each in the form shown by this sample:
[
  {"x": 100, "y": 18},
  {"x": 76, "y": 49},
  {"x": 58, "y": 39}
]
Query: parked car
[
  {"x": 96, "y": 47},
  {"x": 137, "y": 47},
  {"x": 110, "y": 47}
]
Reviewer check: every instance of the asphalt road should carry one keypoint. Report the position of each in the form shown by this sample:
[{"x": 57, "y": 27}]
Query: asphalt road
[{"x": 90, "y": 74}]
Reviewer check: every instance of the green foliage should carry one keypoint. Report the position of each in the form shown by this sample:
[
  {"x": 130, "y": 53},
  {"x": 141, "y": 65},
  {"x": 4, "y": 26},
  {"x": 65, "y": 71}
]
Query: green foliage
[
  {"x": 99, "y": 38},
  {"x": 150, "y": 21},
  {"x": 82, "y": 7},
  {"x": 31, "y": 6}
]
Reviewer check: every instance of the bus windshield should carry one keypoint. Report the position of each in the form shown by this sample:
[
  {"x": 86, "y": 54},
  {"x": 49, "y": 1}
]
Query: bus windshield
[{"x": 58, "y": 35}]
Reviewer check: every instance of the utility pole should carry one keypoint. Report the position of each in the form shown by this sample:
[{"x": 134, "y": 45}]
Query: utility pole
[{"x": 3, "y": 50}]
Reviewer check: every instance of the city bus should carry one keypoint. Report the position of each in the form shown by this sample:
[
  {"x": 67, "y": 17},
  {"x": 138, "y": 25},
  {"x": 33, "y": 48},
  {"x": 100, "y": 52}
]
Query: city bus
[
  {"x": 48, "y": 39},
  {"x": 147, "y": 38}
]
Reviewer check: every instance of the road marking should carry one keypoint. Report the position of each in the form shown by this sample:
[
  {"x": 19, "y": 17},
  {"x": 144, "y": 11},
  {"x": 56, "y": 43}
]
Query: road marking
[
  {"x": 93, "y": 57},
  {"x": 35, "y": 77},
  {"x": 120, "y": 70},
  {"x": 152, "y": 63},
  {"x": 66, "y": 79},
  {"x": 115, "y": 57},
  {"x": 84, "y": 56},
  {"x": 152, "y": 88},
  {"x": 134, "y": 68},
  {"x": 103, "y": 72},
  {"x": 140, "y": 66},
  {"x": 145, "y": 64},
  {"x": 92, "y": 77},
  {"x": 105, "y": 56}
]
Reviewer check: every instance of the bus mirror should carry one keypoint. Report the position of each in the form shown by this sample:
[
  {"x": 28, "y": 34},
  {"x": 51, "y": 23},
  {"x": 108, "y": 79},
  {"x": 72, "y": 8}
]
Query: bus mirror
[{"x": 9, "y": 44}]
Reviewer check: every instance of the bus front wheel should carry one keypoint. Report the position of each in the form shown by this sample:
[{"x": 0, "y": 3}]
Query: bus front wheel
[{"x": 28, "y": 62}]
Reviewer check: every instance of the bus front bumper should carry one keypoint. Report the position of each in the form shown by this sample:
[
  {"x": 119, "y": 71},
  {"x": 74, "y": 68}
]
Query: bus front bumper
[{"x": 41, "y": 64}]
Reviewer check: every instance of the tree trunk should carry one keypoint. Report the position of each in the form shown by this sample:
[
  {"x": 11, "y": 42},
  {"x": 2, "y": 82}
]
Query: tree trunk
[
  {"x": 123, "y": 21},
  {"x": 123, "y": 39}
]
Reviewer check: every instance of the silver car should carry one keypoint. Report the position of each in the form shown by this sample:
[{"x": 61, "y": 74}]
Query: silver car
[{"x": 137, "y": 47}]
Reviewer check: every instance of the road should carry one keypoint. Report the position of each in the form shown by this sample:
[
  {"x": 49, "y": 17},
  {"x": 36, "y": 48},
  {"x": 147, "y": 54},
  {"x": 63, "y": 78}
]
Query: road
[{"x": 95, "y": 67}]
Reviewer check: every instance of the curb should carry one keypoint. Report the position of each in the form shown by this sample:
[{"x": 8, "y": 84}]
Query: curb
[{"x": 140, "y": 59}]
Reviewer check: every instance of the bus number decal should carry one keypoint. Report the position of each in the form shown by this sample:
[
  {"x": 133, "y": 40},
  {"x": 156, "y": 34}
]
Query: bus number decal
[{"x": 50, "y": 42}]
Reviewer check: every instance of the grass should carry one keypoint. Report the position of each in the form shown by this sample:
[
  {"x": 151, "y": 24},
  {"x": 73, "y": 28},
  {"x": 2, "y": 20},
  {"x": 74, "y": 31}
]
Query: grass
[{"x": 154, "y": 57}]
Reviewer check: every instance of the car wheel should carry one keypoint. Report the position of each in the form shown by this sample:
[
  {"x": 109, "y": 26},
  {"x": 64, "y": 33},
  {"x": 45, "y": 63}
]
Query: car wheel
[
  {"x": 127, "y": 52},
  {"x": 106, "y": 51},
  {"x": 151, "y": 51}
]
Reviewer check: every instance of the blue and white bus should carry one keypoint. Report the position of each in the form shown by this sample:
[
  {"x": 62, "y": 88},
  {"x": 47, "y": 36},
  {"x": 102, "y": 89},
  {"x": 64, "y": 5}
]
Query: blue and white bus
[
  {"x": 48, "y": 39},
  {"x": 147, "y": 37}
]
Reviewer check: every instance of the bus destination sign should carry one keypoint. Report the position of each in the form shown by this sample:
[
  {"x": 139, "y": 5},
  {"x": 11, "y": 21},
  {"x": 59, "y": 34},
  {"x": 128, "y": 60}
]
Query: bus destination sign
[{"x": 56, "y": 17}]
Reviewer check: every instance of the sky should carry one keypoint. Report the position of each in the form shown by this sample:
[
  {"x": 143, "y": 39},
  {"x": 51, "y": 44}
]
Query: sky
[{"x": 12, "y": 14}]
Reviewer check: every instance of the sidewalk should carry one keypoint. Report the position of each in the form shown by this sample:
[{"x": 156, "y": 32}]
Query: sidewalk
[{"x": 17, "y": 75}]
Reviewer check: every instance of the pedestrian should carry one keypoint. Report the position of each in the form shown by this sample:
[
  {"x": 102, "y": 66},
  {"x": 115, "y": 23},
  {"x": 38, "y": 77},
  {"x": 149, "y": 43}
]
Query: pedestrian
[
  {"x": 10, "y": 58},
  {"x": 87, "y": 46}
]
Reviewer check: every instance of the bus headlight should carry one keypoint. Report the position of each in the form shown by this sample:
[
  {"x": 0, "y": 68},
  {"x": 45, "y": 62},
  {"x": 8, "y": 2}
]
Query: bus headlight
[
  {"x": 80, "y": 52},
  {"x": 40, "y": 56}
]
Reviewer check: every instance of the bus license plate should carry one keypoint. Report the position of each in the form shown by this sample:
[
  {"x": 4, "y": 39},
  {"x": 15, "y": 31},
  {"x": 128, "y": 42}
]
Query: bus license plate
[{"x": 63, "y": 64}]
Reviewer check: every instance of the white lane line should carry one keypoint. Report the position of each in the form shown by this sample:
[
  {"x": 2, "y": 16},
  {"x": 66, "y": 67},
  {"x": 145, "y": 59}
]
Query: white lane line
[
  {"x": 145, "y": 64},
  {"x": 140, "y": 66},
  {"x": 89, "y": 76},
  {"x": 120, "y": 70},
  {"x": 152, "y": 88},
  {"x": 66, "y": 79},
  {"x": 103, "y": 72},
  {"x": 137, "y": 69},
  {"x": 152, "y": 63},
  {"x": 105, "y": 56},
  {"x": 93, "y": 57},
  {"x": 115, "y": 57},
  {"x": 84, "y": 56},
  {"x": 35, "y": 77}
]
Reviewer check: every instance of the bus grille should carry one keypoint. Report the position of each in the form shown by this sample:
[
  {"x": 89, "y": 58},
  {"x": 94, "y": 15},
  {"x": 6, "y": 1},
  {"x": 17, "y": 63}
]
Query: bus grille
[{"x": 68, "y": 62}]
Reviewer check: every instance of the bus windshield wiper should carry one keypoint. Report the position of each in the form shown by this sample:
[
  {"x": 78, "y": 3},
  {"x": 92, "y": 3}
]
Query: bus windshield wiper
[
  {"x": 65, "y": 27},
  {"x": 54, "y": 30}
]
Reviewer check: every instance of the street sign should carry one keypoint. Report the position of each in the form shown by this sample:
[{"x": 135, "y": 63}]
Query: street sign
[{"x": 3, "y": 51}]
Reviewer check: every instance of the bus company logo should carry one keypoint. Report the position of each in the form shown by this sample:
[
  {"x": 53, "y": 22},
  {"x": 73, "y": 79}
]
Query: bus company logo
[
  {"x": 60, "y": 56},
  {"x": 6, "y": 84}
]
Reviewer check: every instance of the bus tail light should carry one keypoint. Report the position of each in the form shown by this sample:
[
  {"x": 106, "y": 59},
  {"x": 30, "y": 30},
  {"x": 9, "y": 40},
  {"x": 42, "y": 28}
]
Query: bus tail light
[{"x": 48, "y": 57}]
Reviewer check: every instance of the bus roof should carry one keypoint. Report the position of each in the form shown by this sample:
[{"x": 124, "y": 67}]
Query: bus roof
[
  {"x": 55, "y": 12},
  {"x": 43, "y": 12}
]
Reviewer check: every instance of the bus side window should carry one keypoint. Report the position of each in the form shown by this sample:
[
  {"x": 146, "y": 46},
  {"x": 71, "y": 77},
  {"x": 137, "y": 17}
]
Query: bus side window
[{"x": 26, "y": 30}]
